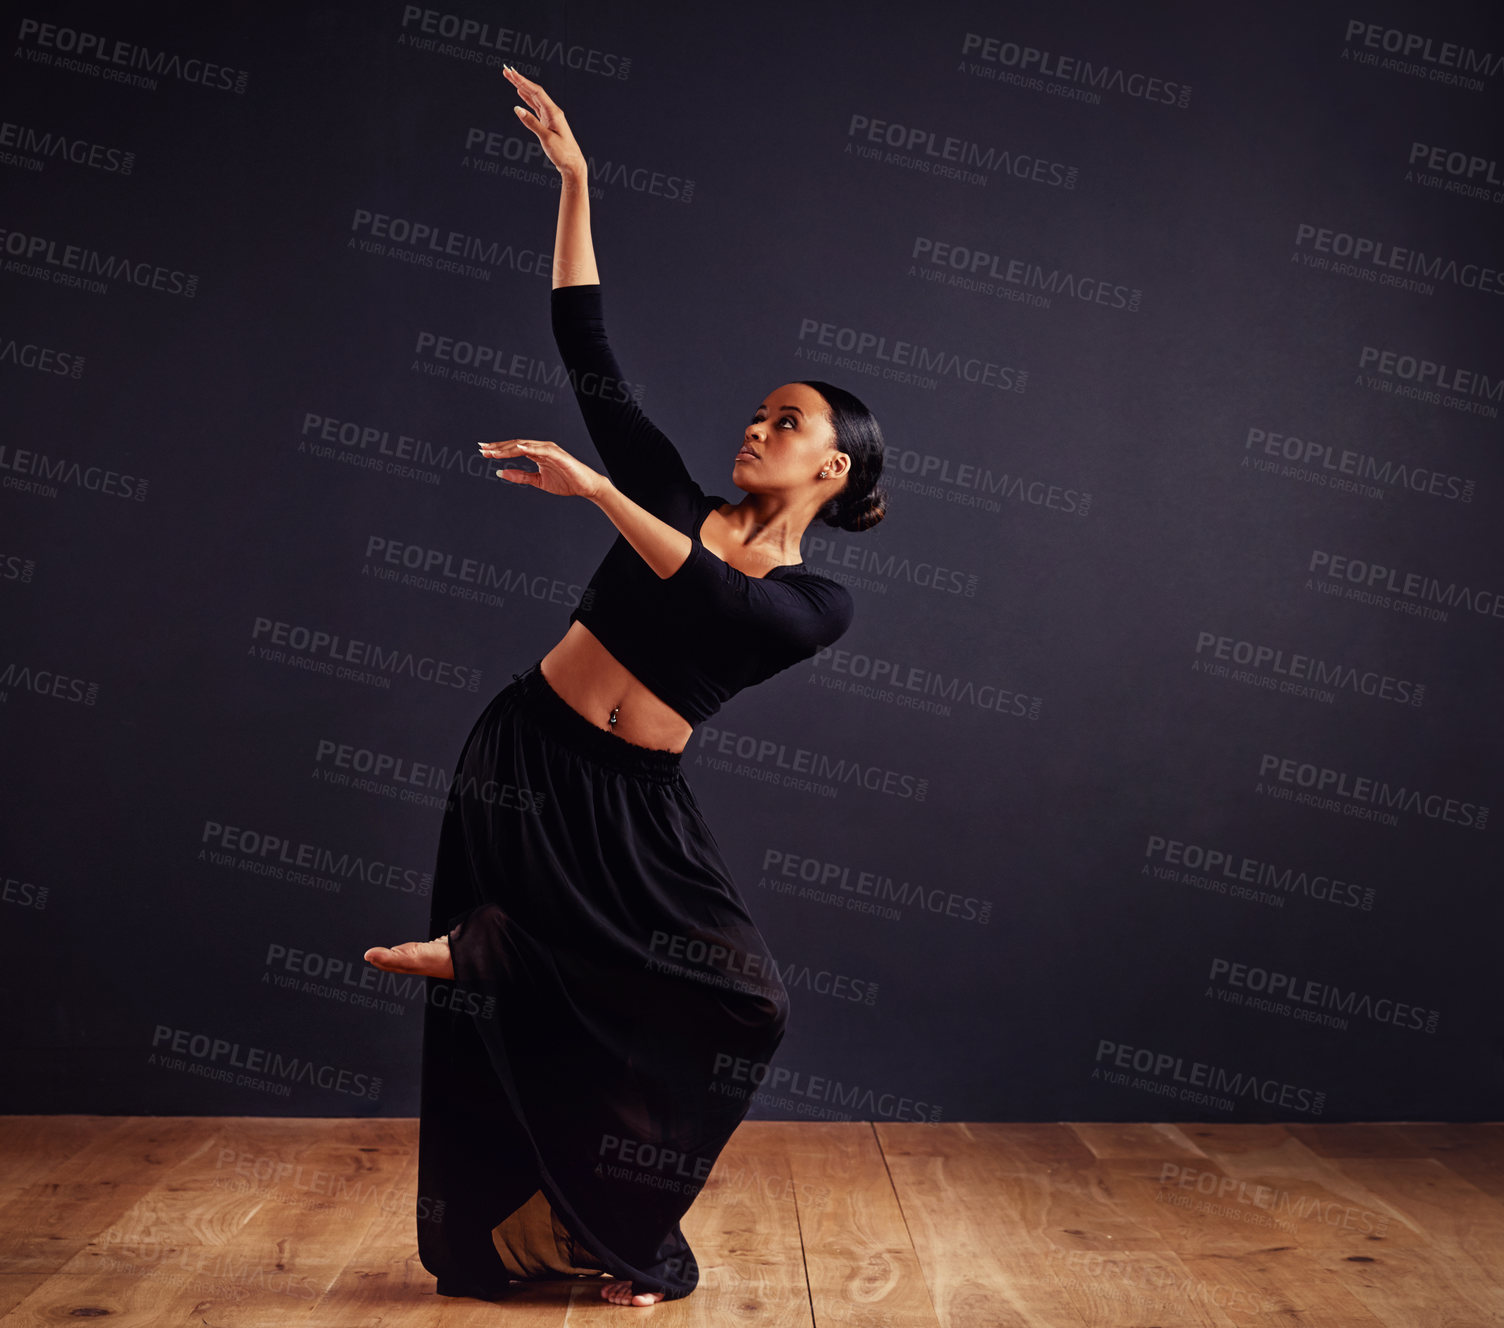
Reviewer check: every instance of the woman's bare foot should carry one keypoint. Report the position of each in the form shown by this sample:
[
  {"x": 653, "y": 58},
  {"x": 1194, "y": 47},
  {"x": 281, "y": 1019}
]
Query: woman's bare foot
[
  {"x": 620, "y": 1293},
  {"x": 429, "y": 959}
]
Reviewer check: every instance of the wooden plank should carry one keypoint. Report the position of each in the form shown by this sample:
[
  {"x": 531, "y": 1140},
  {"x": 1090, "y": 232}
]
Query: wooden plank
[
  {"x": 1473, "y": 1150},
  {"x": 860, "y": 1264},
  {"x": 99, "y": 1169},
  {"x": 1067, "y": 1238},
  {"x": 1404, "y": 1287},
  {"x": 185, "y": 1245},
  {"x": 975, "y": 1268},
  {"x": 1287, "y": 1188},
  {"x": 744, "y": 1230},
  {"x": 1354, "y": 1139},
  {"x": 1226, "y": 1217},
  {"x": 1127, "y": 1139},
  {"x": 1463, "y": 1227},
  {"x": 1220, "y": 1257},
  {"x": 245, "y": 1221},
  {"x": 1220, "y": 1137},
  {"x": 32, "y": 1148}
]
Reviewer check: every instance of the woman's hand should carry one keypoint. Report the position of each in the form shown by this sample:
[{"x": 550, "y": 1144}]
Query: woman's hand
[
  {"x": 663, "y": 548},
  {"x": 547, "y": 121},
  {"x": 557, "y": 472}
]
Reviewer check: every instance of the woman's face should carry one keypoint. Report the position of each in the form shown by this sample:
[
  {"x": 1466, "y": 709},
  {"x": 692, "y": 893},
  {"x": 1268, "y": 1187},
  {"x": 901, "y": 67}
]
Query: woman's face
[{"x": 787, "y": 442}]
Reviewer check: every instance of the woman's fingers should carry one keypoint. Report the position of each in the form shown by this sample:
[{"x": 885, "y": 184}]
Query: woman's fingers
[
  {"x": 513, "y": 446},
  {"x": 547, "y": 121},
  {"x": 534, "y": 449},
  {"x": 541, "y": 103},
  {"x": 558, "y": 472},
  {"x": 529, "y": 91}
]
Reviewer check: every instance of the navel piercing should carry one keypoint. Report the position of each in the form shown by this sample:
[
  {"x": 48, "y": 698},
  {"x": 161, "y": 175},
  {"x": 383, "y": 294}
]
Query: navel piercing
[{"x": 612, "y": 720}]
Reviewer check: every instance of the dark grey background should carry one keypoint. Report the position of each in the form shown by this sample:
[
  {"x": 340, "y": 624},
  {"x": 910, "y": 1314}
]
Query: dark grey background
[{"x": 118, "y": 925}]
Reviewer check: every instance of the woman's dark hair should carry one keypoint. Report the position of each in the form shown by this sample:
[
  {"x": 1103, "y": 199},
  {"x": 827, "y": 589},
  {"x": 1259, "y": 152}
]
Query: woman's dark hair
[{"x": 861, "y": 504}]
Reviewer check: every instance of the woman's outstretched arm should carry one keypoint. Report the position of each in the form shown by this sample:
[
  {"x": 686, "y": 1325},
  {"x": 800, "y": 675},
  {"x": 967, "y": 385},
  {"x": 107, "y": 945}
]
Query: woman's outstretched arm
[
  {"x": 574, "y": 254},
  {"x": 641, "y": 460},
  {"x": 658, "y": 544}
]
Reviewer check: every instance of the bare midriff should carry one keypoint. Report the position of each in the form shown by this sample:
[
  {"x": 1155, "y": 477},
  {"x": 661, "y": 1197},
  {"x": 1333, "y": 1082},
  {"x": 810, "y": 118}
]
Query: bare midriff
[
  {"x": 592, "y": 681},
  {"x": 597, "y": 685}
]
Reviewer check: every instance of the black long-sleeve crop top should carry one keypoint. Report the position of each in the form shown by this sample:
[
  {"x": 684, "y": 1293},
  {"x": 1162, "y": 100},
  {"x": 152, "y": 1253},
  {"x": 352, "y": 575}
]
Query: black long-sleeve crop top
[{"x": 698, "y": 636}]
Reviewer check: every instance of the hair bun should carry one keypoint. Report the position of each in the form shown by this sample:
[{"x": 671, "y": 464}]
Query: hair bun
[
  {"x": 858, "y": 504},
  {"x": 866, "y": 513}
]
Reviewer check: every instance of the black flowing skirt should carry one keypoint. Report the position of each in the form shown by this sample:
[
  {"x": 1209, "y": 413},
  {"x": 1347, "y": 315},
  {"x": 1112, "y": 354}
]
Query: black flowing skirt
[{"x": 612, "y": 1009}]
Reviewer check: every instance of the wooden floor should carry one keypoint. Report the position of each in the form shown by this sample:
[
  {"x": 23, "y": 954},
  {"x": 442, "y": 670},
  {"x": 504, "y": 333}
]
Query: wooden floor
[{"x": 233, "y": 1222}]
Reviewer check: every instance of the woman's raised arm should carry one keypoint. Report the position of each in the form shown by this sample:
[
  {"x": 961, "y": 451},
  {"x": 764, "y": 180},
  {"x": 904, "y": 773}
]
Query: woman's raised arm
[
  {"x": 574, "y": 254},
  {"x": 641, "y": 460}
]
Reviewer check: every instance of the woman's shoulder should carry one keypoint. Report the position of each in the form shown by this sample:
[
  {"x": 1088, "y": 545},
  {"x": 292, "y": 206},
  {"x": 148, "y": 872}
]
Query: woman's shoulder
[{"x": 829, "y": 598}]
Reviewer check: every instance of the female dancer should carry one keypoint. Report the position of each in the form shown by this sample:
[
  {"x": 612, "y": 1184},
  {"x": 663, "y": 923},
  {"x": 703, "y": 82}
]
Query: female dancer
[{"x": 612, "y": 1000}]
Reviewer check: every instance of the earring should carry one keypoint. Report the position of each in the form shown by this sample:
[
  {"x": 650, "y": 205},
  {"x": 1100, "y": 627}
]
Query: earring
[{"x": 824, "y": 473}]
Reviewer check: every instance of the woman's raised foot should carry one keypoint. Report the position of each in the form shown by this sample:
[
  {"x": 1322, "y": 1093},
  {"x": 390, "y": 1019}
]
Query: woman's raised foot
[{"x": 429, "y": 959}]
